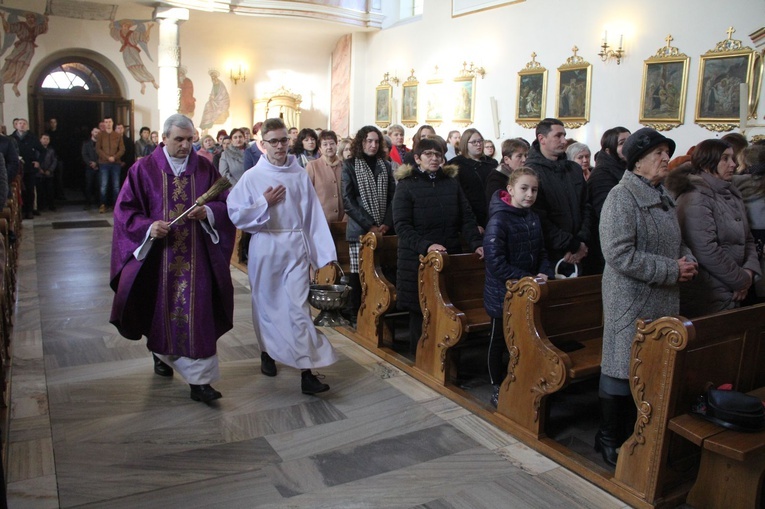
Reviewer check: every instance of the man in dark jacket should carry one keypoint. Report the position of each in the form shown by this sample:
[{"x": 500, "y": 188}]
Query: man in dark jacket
[
  {"x": 30, "y": 151},
  {"x": 11, "y": 156},
  {"x": 562, "y": 201},
  {"x": 90, "y": 158}
]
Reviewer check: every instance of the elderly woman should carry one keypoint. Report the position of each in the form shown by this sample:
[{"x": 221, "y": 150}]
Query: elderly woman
[
  {"x": 208, "y": 149},
  {"x": 367, "y": 185},
  {"x": 580, "y": 154},
  {"x": 715, "y": 227},
  {"x": 231, "y": 164},
  {"x": 430, "y": 211},
  {"x": 645, "y": 260}
]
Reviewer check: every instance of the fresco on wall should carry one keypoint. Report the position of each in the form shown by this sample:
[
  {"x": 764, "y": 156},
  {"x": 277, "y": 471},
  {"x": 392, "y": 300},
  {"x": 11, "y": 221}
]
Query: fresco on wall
[
  {"x": 133, "y": 35},
  {"x": 216, "y": 107},
  {"x": 187, "y": 103},
  {"x": 24, "y": 33}
]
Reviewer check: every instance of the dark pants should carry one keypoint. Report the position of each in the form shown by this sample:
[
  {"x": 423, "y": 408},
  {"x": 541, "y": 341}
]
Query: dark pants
[
  {"x": 415, "y": 330},
  {"x": 46, "y": 193},
  {"x": 497, "y": 352},
  {"x": 110, "y": 180},
  {"x": 28, "y": 195},
  {"x": 91, "y": 175}
]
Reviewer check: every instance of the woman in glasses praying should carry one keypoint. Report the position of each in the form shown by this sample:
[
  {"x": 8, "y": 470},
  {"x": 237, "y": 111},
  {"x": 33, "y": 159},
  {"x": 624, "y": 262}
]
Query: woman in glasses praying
[{"x": 430, "y": 212}]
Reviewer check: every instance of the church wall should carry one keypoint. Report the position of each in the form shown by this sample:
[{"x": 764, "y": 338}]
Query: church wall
[{"x": 502, "y": 39}]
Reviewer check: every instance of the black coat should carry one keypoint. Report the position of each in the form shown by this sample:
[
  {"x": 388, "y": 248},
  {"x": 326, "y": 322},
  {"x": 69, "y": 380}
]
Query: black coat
[
  {"x": 561, "y": 203},
  {"x": 11, "y": 155},
  {"x": 428, "y": 211},
  {"x": 472, "y": 177},
  {"x": 513, "y": 247},
  {"x": 359, "y": 220},
  {"x": 497, "y": 181},
  {"x": 607, "y": 173},
  {"x": 30, "y": 150}
]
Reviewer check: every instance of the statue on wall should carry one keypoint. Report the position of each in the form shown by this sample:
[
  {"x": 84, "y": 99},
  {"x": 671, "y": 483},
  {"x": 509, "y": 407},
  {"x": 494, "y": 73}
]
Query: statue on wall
[
  {"x": 217, "y": 105},
  {"x": 187, "y": 102},
  {"x": 25, "y": 32},
  {"x": 132, "y": 33}
]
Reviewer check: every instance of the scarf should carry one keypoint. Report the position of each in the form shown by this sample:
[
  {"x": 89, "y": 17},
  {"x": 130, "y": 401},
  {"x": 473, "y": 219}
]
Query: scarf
[{"x": 373, "y": 191}]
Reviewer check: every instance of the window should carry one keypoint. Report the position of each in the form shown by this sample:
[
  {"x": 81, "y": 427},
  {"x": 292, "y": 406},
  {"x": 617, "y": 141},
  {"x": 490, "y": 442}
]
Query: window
[
  {"x": 64, "y": 81},
  {"x": 81, "y": 77}
]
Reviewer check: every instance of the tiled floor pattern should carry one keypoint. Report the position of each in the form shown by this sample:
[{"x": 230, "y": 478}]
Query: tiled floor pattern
[{"x": 92, "y": 426}]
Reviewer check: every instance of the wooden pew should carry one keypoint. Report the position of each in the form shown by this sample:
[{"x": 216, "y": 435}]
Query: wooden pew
[
  {"x": 451, "y": 299},
  {"x": 329, "y": 275},
  {"x": 673, "y": 361},
  {"x": 553, "y": 332},
  {"x": 378, "y": 294}
]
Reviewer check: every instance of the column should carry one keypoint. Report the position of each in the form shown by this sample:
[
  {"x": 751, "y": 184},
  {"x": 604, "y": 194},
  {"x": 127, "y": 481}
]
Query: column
[{"x": 168, "y": 96}]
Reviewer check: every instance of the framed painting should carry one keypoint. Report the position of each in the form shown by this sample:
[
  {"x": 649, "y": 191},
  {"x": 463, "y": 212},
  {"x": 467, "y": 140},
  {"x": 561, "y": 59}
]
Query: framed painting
[
  {"x": 572, "y": 98},
  {"x": 532, "y": 94},
  {"x": 383, "y": 105},
  {"x": 434, "y": 111},
  {"x": 409, "y": 101},
  {"x": 464, "y": 100},
  {"x": 665, "y": 84}
]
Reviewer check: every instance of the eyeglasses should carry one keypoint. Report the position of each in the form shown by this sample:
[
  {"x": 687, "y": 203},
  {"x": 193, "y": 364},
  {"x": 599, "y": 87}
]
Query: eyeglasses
[
  {"x": 476, "y": 142},
  {"x": 432, "y": 154},
  {"x": 274, "y": 142}
]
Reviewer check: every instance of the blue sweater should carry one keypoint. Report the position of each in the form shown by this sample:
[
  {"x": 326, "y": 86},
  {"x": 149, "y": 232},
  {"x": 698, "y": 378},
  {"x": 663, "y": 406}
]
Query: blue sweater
[{"x": 513, "y": 247}]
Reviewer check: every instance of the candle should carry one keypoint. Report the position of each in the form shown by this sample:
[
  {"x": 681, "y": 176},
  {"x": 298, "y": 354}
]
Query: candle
[
  {"x": 621, "y": 38},
  {"x": 605, "y": 37}
]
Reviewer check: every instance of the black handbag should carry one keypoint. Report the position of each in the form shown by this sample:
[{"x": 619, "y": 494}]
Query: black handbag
[{"x": 731, "y": 409}]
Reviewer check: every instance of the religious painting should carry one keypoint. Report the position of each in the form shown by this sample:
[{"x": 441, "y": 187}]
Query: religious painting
[
  {"x": 383, "y": 105},
  {"x": 464, "y": 100},
  {"x": 434, "y": 111},
  {"x": 572, "y": 98},
  {"x": 133, "y": 35},
  {"x": 217, "y": 106},
  {"x": 20, "y": 30},
  {"x": 187, "y": 101},
  {"x": 409, "y": 101},
  {"x": 532, "y": 94},
  {"x": 662, "y": 99},
  {"x": 719, "y": 93},
  {"x": 462, "y": 7}
]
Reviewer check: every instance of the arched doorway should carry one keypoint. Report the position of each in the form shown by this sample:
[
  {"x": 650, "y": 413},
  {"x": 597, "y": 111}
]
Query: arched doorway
[{"x": 78, "y": 92}]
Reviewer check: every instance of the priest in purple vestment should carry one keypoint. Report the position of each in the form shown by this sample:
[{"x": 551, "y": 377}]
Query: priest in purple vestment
[{"x": 173, "y": 284}]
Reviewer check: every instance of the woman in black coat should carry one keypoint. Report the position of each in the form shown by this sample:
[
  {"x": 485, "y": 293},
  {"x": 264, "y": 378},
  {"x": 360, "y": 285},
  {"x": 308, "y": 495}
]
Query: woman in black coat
[
  {"x": 430, "y": 212},
  {"x": 474, "y": 171}
]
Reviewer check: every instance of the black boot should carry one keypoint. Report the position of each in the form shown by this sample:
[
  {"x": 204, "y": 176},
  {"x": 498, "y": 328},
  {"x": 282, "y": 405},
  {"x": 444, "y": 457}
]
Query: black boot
[
  {"x": 629, "y": 416},
  {"x": 267, "y": 364},
  {"x": 204, "y": 393},
  {"x": 310, "y": 383},
  {"x": 611, "y": 428},
  {"x": 161, "y": 368},
  {"x": 351, "y": 309}
]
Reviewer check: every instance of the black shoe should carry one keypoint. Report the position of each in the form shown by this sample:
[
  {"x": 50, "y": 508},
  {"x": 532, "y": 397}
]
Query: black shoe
[
  {"x": 36, "y": 212},
  {"x": 310, "y": 383},
  {"x": 204, "y": 393},
  {"x": 161, "y": 368},
  {"x": 267, "y": 364},
  {"x": 28, "y": 215}
]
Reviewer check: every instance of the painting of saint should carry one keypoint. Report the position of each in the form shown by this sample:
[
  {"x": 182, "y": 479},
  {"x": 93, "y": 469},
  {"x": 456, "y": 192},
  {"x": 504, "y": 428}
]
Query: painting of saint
[
  {"x": 187, "y": 102},
  {"x": 217, "y": 105},
  {"x": 721, "y": 79},
  {"x": 26, "y": 32},
  {"x": 382, "y": 101},
  {"x": 463, "y": 108},
  {"x": 572, "y": 94},
  {"x": 130, "y": 34},
  {"x": 664, "y": 82},
  {"x": 409, "y": 112},
  {"x": 530, "y": 96}
]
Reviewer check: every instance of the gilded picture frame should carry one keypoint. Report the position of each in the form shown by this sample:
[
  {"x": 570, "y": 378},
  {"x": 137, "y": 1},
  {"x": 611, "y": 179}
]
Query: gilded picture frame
[
  {"x": 434, "y": 109},
  {"x": 664, "y": 88},
  {"x": 383, "y": 105},
  {"x": 409, "y": 105},
  {"x": 532, "y": 94},
  {"x": 464, "y": 100},
  {"x": 722, "y": 71},
  {"x": 572, "y": 96}
]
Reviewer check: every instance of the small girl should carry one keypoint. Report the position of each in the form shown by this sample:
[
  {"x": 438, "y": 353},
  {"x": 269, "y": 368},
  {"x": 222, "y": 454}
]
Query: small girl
[{"x": 513, "y": 248}]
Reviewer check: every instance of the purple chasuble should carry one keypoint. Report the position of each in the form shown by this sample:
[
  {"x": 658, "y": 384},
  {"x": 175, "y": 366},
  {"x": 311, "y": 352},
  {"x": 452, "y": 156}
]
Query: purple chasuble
[{"x": 180, "y": 296}]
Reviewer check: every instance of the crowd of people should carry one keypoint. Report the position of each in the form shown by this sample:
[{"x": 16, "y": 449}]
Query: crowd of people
[{"x": 669, "y": 236}]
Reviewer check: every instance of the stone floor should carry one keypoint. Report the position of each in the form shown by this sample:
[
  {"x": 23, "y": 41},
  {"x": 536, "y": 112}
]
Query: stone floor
[{"x": 92, "y": 426}]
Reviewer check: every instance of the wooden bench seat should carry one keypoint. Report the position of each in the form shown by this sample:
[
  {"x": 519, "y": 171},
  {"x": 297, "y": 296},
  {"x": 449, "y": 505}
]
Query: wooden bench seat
[
  {"x": 553, "y": 332},
  {"x": 377, "y": 254},
  {"x": 673, "y": 361},
  {"x": 451, "y": 299}
]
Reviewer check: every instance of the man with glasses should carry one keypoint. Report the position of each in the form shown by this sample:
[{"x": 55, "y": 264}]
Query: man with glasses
[
  {"x": 562, "y": 202},
  {"x": 324, "y": 173},
  {"x": 277, "y": 204}
]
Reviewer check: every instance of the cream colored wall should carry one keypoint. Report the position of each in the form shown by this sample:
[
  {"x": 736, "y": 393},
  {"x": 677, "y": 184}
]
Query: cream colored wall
[{"x": 502, "y": 39}]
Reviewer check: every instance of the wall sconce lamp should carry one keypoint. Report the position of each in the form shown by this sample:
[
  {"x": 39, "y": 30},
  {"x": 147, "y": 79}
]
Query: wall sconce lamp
[
  {"x": 387, "y": 80},
  {"x": 607, "y": 52},
  {"x": 237, "y": 73},
  {"x": 472, "y": 71}
]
